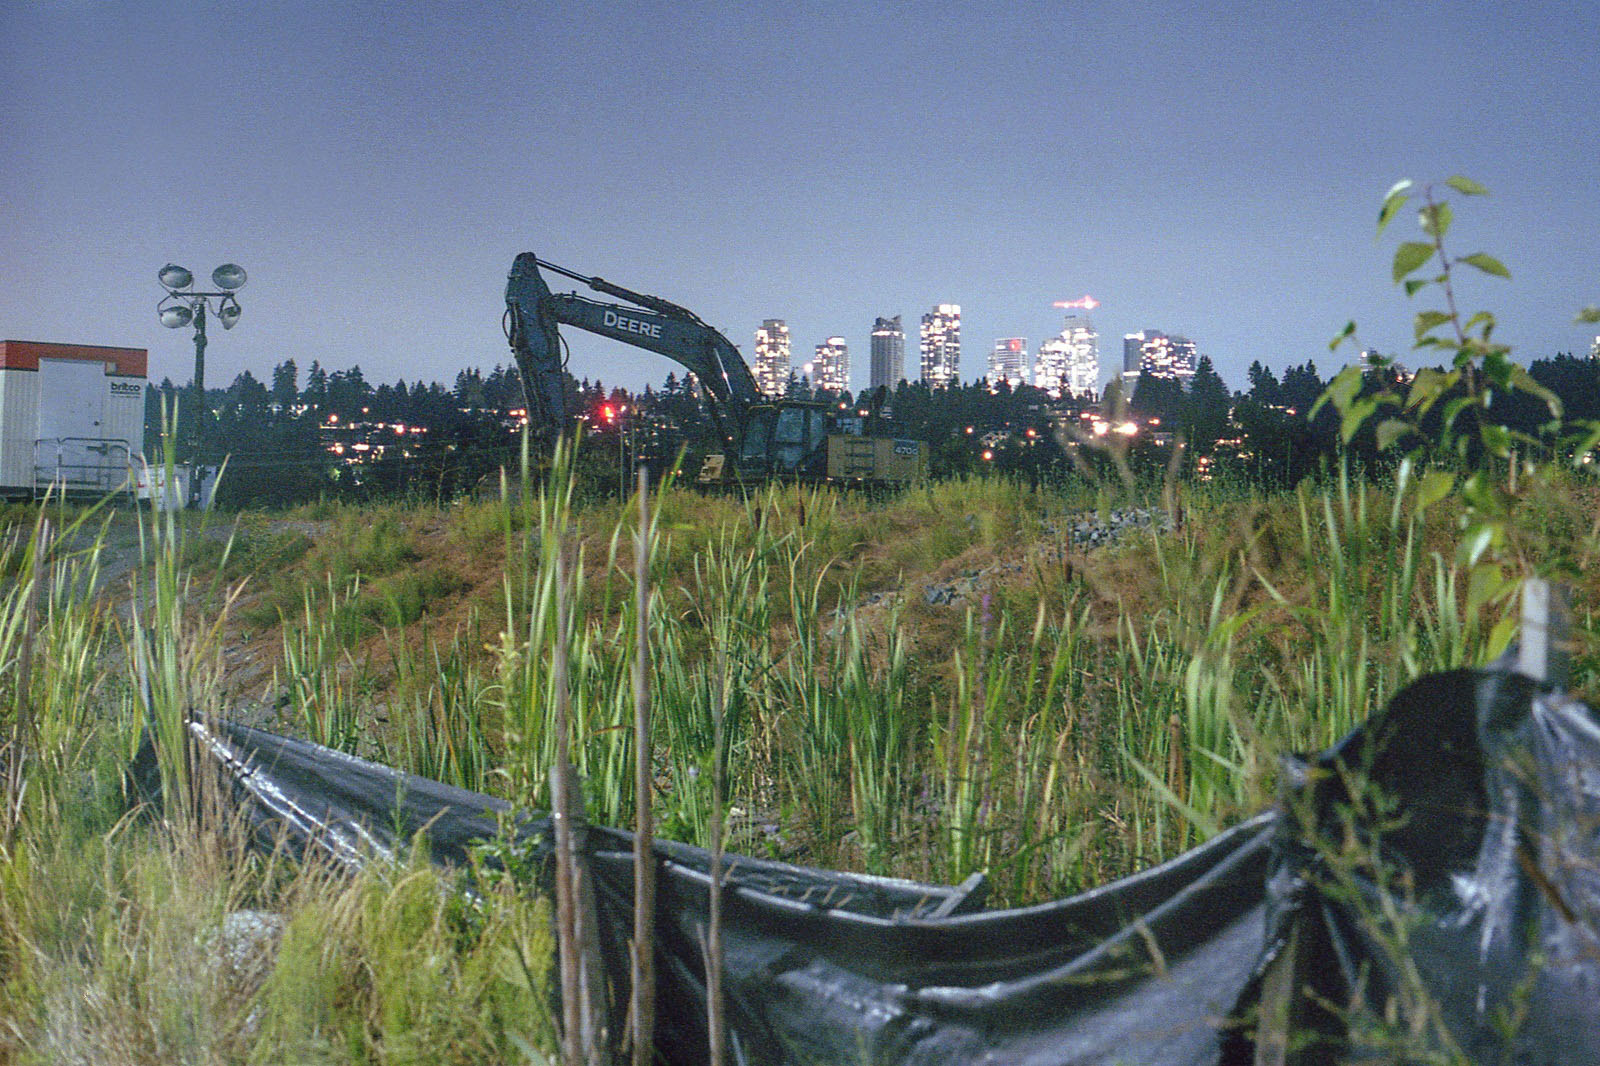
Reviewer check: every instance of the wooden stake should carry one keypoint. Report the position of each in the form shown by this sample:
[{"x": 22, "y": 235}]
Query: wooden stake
[
  {"x": 717, "y": 1035},
  {"x": 22, "y": 731},
  {"x": 644, "y": 870},
  {"x": 1282, "y": 1004},
  {"x": 1544, "y": 651},
  {"x": 560, "y": 812}
]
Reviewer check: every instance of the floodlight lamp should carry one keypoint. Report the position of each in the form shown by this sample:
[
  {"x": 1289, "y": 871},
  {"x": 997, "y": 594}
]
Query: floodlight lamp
[
  {"x": 176, "y": 317},
  {"x": 175, "y": 277},
  {"x": 228, "y": 313},
  {"x": 228, "y": 276}
]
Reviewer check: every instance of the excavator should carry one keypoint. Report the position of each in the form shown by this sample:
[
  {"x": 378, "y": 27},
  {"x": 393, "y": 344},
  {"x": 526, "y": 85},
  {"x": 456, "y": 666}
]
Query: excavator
[{"x": 762, "y": 437}]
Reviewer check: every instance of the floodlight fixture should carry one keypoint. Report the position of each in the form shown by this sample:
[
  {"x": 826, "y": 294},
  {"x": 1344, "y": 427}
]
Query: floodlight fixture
[
  {"x": 182, "y": 306},
  {"x": 228, "y": 277},
  {"x": 174, "y": 277}
]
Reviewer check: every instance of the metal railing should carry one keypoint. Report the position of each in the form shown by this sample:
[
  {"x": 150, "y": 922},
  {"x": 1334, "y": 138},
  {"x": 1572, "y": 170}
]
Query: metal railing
[{"x": 81, "y": 465}]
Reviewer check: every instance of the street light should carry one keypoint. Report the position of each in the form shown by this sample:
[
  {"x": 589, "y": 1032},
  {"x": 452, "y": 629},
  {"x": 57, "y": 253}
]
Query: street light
[{"x": 183, "y": 305}]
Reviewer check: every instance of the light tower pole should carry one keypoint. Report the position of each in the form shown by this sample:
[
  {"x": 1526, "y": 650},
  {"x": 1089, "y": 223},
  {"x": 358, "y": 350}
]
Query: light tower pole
[{"x": 182, "y": 306}]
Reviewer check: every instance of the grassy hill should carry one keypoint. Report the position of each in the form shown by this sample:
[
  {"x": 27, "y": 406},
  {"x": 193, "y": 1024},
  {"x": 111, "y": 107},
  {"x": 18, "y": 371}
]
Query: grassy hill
[{"x": 1058, "y": 685}]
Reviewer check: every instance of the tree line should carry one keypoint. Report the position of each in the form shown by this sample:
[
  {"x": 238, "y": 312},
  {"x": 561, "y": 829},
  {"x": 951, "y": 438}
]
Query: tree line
[{"x": 282, "y": 438}]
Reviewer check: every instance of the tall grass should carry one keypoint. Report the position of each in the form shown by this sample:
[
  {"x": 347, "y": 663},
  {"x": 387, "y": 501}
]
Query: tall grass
[
  {"x": 1075, "y": 716},
  {"x": 126, "y": 939},
  {"x": 1083, "y": 721}
]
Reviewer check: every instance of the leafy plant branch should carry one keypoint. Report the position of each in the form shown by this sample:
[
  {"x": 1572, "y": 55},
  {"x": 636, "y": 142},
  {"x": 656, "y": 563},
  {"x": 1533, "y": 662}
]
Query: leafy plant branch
[{"x": 1441, "y": 419}]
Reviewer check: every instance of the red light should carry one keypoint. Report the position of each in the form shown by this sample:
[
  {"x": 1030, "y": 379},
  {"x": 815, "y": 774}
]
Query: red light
[{"x": 608, "y": 413}]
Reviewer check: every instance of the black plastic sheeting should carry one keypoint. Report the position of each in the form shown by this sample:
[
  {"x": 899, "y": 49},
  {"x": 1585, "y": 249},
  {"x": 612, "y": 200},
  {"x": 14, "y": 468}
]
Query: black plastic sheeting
[{"x": 1431, "y": 884}]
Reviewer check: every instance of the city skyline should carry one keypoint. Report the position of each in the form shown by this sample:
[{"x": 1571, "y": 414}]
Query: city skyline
[{"x": 376, "y": 176}]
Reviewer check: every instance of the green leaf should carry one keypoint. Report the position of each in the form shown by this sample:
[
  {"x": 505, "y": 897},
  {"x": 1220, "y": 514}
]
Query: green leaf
[
  {"x": 1497, "y": 368},
  {"x": 1402, "y": 477},
  {"x": 1435, "y": 219},
  {"x": 1435, "y": 486},
  {"x": 1393, "y": 201},
  {"x": 1589, "y": 314},
  {"x": 1427, "y": 321},
  {"x": 1409, "y": 256},
  {"x": 1452, "y": 410},
  {"x": 1475, "y": 490},
  {"x": 1496, "y": 439},
  {"x": 1391, "y": 430},
  {"x": 1483, "y": 318},
  {"x": 1340, "y": 391},
  {"x": 1477, "y": 541},
  {"x": 1344, "y": 335},
  {"x": 1585, "y": 442},
  {"x": 1355, "y": 416},
  {"x": 1427, "y": 387},
  {"x": 1415, "y": 285},
  {"x": 1523, "y": 381},
  {"x": 1485, "y": 582},
  {"x": 1500, "y": 636},
  {"x": 1486, "y": 263},
  {"x": 1466, "y": 186}
]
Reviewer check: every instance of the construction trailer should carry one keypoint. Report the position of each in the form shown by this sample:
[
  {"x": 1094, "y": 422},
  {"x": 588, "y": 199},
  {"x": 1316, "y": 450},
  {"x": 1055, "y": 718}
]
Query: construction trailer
[{"x": 71, "y": 417}]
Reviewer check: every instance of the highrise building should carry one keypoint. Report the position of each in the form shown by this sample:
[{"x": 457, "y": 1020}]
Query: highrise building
[
  {"x": 772, "y": 357},
  {"x": 1178, "y": 360},
  {"x": 941, "y": 346},
  {"x": 1068, "y": 364},
  {"x": 888, "y": 354},
  {"x": 1132, "y": 354},
  {"x": 1152, "y": 352},
  {"x": 1594, "y": 349},
  {"x": 830, "y": 369},
  {"x": 1050, "y": 365},
  {"x": 1008, "y": 362}
]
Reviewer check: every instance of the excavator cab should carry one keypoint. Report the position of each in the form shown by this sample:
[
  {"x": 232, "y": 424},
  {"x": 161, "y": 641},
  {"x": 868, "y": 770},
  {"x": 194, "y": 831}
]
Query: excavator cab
[{"x": 785, "y": 440}]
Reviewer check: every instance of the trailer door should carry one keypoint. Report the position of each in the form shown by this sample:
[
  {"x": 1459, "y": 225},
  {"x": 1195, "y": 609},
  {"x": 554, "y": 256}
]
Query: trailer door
[{"x": 71, "y": 444}]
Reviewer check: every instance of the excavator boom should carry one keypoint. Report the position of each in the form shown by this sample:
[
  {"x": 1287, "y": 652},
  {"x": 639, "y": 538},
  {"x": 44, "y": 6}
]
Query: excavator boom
[{"x": 657, "y": 325}]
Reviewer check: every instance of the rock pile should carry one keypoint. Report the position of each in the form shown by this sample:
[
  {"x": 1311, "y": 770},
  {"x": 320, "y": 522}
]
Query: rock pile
[
  {"x": 1083, "y": 532},
  {"x": 1093, "y": 530}
]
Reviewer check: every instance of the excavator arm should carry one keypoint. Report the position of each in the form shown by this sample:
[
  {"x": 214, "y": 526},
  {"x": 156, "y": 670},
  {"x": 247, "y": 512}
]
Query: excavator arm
[{"x": 533, "y": 314}]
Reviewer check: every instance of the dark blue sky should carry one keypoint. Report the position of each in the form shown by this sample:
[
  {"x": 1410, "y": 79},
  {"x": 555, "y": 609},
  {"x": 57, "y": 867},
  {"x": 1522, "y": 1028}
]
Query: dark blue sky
[{"x": 1202, "y": 168}]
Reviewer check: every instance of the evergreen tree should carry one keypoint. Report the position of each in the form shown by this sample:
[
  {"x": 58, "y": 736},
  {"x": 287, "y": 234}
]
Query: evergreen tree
[
  {"x": 1158, "y": 396},
  {"x": 1206, "y": 408},
  {"x": 285, "y": 386},
  {"x": 1264, "y": 388},
  {"x": 1301, "y": 387},
  {"x": 248, "y": 397},
  {"x": 316, "y": 394}
]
